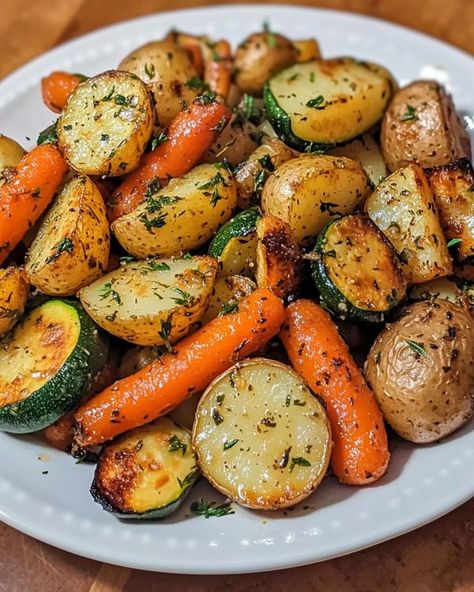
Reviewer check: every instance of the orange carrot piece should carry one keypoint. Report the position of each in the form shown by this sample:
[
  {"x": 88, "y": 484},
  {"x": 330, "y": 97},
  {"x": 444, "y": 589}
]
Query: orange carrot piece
[
  {"x": 321, "y": 357},
  {"x": 190, "y": 135},
  {"x": 56, "y": 89},
  {"x": 190, "y": 368},
  {"x": 218, "y": 66},
  {"x": 27, "y": 194}
]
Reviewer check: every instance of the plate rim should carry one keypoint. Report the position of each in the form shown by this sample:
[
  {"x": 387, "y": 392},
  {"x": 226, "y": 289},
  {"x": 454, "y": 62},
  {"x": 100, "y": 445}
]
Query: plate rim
[{"x": 34, "y": 71}]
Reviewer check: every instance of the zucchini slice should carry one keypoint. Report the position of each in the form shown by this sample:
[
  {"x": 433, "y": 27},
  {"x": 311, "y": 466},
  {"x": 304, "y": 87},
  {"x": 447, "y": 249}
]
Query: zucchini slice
[
  {"x": 47, "y": 364},
  {"x": 316, "y": 105},
  {"x": 261, "y": 437},
  {"x": 357, "y": 271},
  {"x": 235, "y": 244},
  {"x": 147, "y": 472}
]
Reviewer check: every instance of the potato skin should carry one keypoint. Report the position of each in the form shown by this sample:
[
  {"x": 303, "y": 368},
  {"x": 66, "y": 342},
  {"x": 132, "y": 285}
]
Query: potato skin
[
  {"x": 191, "y": 215},
  {"x": 14, "y": 290},
  {"x": 425, "y": 396},
  {"x": 433, "y": 136},
  {"x": 260, "y": 56},
  {"x": 165, "y": 68},
  {"x": 72, "y": 246},
  {"x": 106, "y": 124},
  {"x": 235, "y": 143},
  {"x": 307, "y": 192},
  {"x": 10, "y": 155}
]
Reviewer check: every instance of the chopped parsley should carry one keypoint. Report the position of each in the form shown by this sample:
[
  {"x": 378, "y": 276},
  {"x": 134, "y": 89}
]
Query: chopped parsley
[
  {"x": 271, "y": 39},
  {"x": 316, "y": 103},
  {"x": 158, "y": 266},
  {"x": 157, "y": 140},
  {"x": 157, "y": 222},
  {"x": 149, "y": 70},
  {"x": 213, "y": 184},
  {"x": 229, "y": 443},
  {"x": 165, "y": 332},
  {"x": 259, "y": 180},
  {"x": 176, "y": 445},
  {"x": 229, "y": 308},
  {"x": 64, "y": 245},
  {"x": 197, "y": 83},
  {"x": 154, "y": 204},
  {"x": 184, "y": 298},
  {"x": 300, "y": 461},
  {"x": 209, "y": 509},
  {"x": 108, "y": 292},
  {"x": 410, "y": 114},
  {"x": 454, "y": 242},
  {"x": 187, "y": 481},
  {"x": 417, "y": 347}
]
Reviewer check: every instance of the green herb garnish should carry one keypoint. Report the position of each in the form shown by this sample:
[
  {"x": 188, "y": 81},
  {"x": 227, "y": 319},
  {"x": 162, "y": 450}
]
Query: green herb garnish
[
  {"x": 209, "y": 509},
  {"x": 149, "y": 70},
  {"x": 229, "y": 308},
  {"x": 317, "y": 103},
  {"x": 417, "y": 347},
  {"x": 410, "y": 114},
  {"x": 108, "y": 292},
  {"x": 64, "y": 245},
  {"x": 300, "y": 461},
  {"x": 165, "y": 332},
  {"x": 454, "y": 241},
  {"x": 229, "y": 443},
  {"x": 176, "y": 444}
]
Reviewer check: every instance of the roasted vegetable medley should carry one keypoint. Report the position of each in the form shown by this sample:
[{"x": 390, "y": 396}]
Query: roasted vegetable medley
[{"x": 249, "y": 265}]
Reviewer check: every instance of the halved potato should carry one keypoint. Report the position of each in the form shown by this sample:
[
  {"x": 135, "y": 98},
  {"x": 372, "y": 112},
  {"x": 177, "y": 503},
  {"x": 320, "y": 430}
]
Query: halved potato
[
  {"x": 72, "y": 246},
  {"x": 10, "y": 155},
  {"x": 261, "y": 437},
  {"x": 308, "y": 191},
  {"x": 451, "y": 289},
  {"x": 403, "y": 208},
  {"x": 153, "y": 302},
  {"x": 279, "y": 262},
  {"x": 182, "y": 216},
  {"x": 368, "y": 154},
  {"x": 106, "y": 124},
  {"x": 252, "y": 174},
  {"x": 421, "y": 125},
  {"x": 226, "y": 293},
  {"x": 453, "y": 190},
  {"x": 165, "y": 68},
  {"x": 14, "y": 289}
]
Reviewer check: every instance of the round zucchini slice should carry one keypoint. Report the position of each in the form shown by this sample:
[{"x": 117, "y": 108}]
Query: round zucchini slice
[
  {"x": 46, "y": 365},
  {"x": 235, "y": 244},
  {"x": 357, "y": 271},
  {"x": 261, "y": 437},
  {"x": 317, "y": 105},
  {"x": 147, "y": 472}
]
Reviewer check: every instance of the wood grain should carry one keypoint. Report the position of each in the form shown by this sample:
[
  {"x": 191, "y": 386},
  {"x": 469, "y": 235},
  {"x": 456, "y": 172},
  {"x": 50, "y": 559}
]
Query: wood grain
[{"x": 436, "y": 558}]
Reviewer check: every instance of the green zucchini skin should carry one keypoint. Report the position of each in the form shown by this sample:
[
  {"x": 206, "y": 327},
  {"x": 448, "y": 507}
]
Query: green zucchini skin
[
  {"x": 281, "y": 123},
  {"x": 64, "y": 390},
  {"x": 242, "y": 224},
  {"x": 125, "y": 444},
  {"x": 332, "y": 297}
]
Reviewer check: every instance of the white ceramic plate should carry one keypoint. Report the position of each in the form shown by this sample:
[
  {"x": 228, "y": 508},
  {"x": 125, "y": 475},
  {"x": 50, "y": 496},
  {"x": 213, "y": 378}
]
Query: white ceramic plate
[{"x": 45, "y": 494}]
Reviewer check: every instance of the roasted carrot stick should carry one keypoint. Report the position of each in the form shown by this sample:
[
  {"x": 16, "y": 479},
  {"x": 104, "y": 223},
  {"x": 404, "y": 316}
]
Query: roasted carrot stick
[
  {"x": 190, "y": 134},
  {"x": 218, "y": 66},
  {"x": 319, "y": 354},
  {"x": 28, "y": 192},
  {"x": 57, "y": 87},
  {"x": 190, "y": 368}
]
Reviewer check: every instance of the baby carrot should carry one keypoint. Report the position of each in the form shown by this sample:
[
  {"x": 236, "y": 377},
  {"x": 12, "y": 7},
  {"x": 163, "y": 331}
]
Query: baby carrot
[
  {"x": 189, "y": 136},
  {"x": 27, "y": 193},
  {"x": 319, "y": 354},
  {"x": 57, "y": 87},
  {"x": 191, "y": 367},
  {"x": 218, "y": 66}
]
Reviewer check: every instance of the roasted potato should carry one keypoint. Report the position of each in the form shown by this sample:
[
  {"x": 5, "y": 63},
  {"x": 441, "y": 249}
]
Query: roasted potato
[
  {"x": 10, "y": 155},
  {"x": 106, "y": 124},
  {"x": 261, "y": 437},
  {"x": 279, "y": 262},
  {"x": 453, "y": 190},
  {"x": 236, "y": 142},
  {"x": 451, "y": 289},
  {"x": 72, "y": 246},
  {"x": 182, "y": 216},
  {"x": 308, "y": 191},
  {"x": 167, "y": 70},
  {"x": 421, "y": 371},
  {"x": 14, "y": 290},
  {"x": 137, "y": 358},
  {"x": 403, "y": 208},
  {"x": 421, "y": 125},
  {"x": 367, "y": 153},
  {"x": 153, "y": 302},
  {"x": 251, "y": 175},
  {"x": 308, "y": 49},
  {"x": 259, "y": 56},
  {"x": 226, "y": 293}
]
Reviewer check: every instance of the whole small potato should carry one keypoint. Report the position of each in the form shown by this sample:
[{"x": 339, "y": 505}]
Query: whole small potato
[
  {"x": 260, "y": 56},
  {"x": 165, "y": 68},
  {"x": 421, "y": 125},
  {"x": 421, "y": 371}
]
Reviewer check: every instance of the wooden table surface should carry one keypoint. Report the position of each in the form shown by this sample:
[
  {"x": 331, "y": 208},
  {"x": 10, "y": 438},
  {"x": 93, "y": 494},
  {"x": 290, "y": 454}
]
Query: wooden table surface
[{"x": 436, "y": 558}]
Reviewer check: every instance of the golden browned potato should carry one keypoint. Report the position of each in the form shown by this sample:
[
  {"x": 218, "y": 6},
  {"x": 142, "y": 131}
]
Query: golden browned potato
[
  {"x": 307, "y": 192},
  {"x": 251, "y": 175},
  {"x": 166, "y": 68},
  {"x": 10, "y": 155},
  {"x": 260, "y": 56},
  {"x": 421, "y": 125},
  {"x": 226, "y": 293},
  {"x": 236, "y": 142},
  {"x": 452, "y": 289},
  {"x": 14, "y": 289},
  {"x": 421, "y": 369},
  {"x": 403, "y": 208},
  {"x": 153, "y": 302},
  {"x": 182, "y": 216},
  {"x": 453, "y": 190},
  {"x": 308, "y": 49},
  {"x": 106, "y": 124},
  {"x": 72, "y": 246}
]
